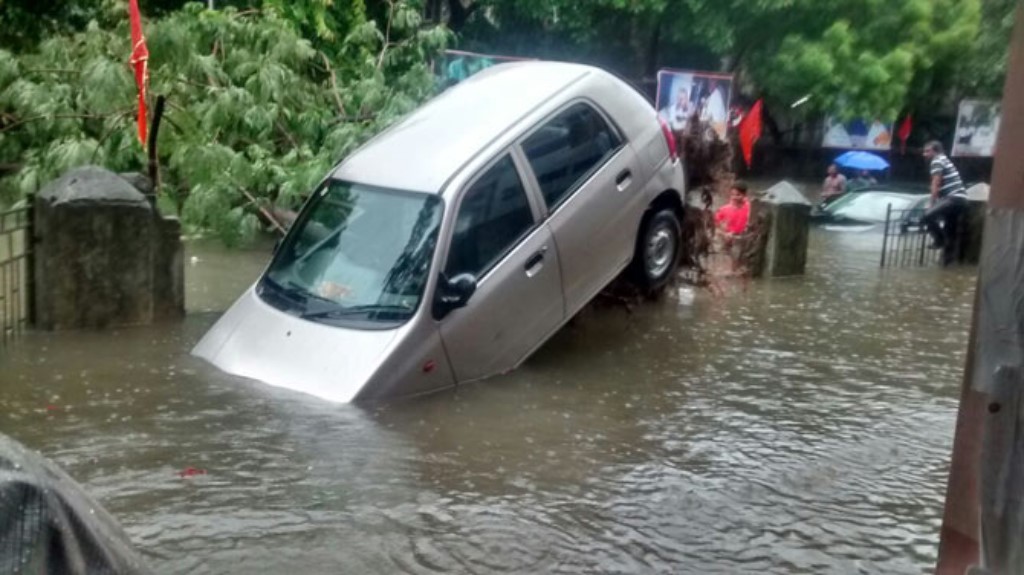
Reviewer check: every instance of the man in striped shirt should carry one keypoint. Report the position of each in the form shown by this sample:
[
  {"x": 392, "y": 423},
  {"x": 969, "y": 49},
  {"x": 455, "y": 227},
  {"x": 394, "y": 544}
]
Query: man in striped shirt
[{"x": 949, "y": 197}]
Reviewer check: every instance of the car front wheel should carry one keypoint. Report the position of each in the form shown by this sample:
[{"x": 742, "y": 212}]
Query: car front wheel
[{"x": 657, "y": 250}]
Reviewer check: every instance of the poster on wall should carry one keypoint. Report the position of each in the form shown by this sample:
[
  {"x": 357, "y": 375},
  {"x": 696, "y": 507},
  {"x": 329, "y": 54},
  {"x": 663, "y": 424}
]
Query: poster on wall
[
  {"x": 684, "y": 96},
  {"x": 977, "y": 126},
  {"x": 456, "y": 65},
  {"x": 857, "y": 134}
]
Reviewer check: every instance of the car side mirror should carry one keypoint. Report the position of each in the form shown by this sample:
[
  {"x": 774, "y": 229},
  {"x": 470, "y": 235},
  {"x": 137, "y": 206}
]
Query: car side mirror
[{"x": 453, "y": 294}]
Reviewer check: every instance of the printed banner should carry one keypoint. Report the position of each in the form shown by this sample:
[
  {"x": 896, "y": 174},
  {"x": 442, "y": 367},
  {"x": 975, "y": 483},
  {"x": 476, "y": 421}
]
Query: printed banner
[
  {"x": 977, "y": 126},
  {"x": 857, "y": 135},
  {"x": 685, "y": 96},
  {"x": 456, "y": 65}
]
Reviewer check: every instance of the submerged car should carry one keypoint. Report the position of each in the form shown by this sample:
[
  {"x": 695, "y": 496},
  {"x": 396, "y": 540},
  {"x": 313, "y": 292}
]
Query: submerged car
[
  {"x": 820, "y": 211},
  {"x": 451, "y": 246},
  {"x": 868, "y": 210}
]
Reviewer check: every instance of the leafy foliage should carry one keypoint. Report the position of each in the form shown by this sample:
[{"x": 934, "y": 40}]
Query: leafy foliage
[
  {"x": 860, "y": 57},
  {"x": 984, "y": 69},
  {"x": 253, "y": 108},
  {"x": 322, "y": 20},
  {"x": 265, "y": 95}
]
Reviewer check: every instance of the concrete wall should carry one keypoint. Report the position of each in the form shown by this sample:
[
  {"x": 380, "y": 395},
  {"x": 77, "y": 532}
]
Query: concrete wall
[{"x": 104, "y": 255}]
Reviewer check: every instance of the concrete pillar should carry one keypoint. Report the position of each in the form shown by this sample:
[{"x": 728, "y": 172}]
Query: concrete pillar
[
  {"x": 972, "y": 232},
  {"x": 780, "y": 228},
  {"x": 104, "y": 256}
]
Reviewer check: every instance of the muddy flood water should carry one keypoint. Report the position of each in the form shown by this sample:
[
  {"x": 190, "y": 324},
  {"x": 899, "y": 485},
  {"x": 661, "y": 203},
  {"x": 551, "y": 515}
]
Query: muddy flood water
[{"x": 788, "y": 426}]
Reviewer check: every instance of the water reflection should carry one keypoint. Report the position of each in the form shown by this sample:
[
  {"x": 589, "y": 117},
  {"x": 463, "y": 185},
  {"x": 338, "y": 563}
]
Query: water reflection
[{"x": 788, "y": 426}]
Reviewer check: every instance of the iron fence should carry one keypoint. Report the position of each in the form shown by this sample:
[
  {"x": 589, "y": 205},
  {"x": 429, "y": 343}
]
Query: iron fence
[
  {"x": 15, "y": 272},
  {"x": 905, "y": 242}
]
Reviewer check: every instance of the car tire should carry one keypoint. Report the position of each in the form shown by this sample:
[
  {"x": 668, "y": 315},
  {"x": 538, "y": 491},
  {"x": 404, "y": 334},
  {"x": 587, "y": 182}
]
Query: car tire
[{"x": 657, "y": 250}]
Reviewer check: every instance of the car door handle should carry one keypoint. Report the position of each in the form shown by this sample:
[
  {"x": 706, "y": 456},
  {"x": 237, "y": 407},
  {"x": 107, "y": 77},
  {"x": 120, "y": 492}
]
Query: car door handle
[
  {"x": 623, "y": 180},
  {"x": 536, "y": 262}
]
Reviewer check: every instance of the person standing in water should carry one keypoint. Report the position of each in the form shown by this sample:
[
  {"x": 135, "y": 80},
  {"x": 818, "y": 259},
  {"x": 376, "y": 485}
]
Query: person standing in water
[
  {"x": 949, "y": 197},
  {"x": 835, "y": 183}
]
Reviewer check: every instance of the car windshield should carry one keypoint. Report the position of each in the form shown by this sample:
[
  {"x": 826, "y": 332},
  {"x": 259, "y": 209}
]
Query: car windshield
[
  {"x": 869, "y": 206},
  {"x": 356, "y": 255}
]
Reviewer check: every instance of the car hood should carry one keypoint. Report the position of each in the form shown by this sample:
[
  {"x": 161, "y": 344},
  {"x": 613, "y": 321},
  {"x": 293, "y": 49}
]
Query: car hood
[{"x": 255, "y": 340}]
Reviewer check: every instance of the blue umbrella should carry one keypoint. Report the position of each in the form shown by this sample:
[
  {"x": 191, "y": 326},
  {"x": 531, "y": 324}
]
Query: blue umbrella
[{"x": 862, "y": 161}]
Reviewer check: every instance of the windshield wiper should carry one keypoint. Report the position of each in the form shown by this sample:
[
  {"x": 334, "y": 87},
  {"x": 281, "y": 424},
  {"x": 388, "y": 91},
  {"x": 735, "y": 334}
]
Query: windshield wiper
[
  {"x": 345, "y": 311},
  {"x": 296, "y": 297}
]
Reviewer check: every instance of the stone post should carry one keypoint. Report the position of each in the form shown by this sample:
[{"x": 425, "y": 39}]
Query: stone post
[
  {"x": 780, "y": 221},
  {"x": 104, "y": 257},
  {"x": 973, "y": 225}
]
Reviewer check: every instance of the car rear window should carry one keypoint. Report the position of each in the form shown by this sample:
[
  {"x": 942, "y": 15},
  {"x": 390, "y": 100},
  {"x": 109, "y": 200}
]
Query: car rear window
[{"x": 567, "y": 149}]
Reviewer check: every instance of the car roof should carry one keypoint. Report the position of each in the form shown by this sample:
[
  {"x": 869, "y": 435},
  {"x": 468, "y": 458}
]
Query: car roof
[{"x": 422, "y": 152}]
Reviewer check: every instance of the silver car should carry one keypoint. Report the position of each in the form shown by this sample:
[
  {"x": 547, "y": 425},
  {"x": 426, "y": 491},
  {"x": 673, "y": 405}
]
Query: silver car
[{"x": 454, "y": 244}]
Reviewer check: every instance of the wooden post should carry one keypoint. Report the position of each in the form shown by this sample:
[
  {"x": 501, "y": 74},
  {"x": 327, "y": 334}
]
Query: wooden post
[
  {"x": 958, "y": 540},
  {"x": 986, "y": 485},
  {"x": 151, "y": 148},
  {"x": 885, "y": 233}
]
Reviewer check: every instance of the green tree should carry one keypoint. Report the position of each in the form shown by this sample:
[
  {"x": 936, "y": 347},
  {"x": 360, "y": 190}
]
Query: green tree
[
  {"x": 984, "y": 71},
  {"x": 25, "y": 22},
  {"x": 321, "y": 20},
  {"x": 253, "y": 108},
  {"x": 857, "y": 57}
]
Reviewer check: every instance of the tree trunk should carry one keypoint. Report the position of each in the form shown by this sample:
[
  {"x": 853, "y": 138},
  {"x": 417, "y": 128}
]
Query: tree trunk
[
  {"x": 432, "y": 11},
  {"x": 653, "y": 50},
  {"x": 636, "y": 45},
  {"x": 773, "y": 126},
  {"x": 458, "y": 14}
]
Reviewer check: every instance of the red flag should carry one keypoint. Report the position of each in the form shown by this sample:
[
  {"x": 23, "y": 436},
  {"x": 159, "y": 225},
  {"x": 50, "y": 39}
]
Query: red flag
[
  {"x": 904, "y": 133},
  {"x": 750, "y": 132},
  {"x": 140, "y": 62}
]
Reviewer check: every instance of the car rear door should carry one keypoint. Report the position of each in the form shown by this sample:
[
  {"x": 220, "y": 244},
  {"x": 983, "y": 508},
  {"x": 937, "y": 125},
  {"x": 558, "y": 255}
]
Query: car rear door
[
  {"x": 499, "y": 237},
  {"x": 589, "y": 178}
]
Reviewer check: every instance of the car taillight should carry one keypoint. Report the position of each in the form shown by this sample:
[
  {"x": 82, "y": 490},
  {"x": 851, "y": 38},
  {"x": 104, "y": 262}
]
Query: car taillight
[{"x": 670, "y": 139}]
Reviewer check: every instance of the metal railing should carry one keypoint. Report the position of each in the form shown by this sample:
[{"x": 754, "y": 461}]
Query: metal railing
[
  {"x": 15, "y": 272},
  {"x": 906, "y": 241}
]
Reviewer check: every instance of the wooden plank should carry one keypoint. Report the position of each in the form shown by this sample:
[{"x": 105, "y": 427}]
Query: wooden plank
[
  {"x": 1008, "y": 174},
  {"x": 996, "y": 347},
  {"x": 1002, "y": 474}
]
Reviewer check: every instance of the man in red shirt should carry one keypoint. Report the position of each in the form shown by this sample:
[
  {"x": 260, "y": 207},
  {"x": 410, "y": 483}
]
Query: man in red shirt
[{"x": 732, "y": 217}]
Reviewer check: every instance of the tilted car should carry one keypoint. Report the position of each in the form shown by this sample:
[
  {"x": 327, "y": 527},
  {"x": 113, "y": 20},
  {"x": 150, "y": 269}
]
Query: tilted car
[{"x": 454, "y": 244}]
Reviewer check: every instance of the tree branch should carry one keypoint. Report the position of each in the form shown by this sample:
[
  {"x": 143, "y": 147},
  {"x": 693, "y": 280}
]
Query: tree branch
[
  {"x": 286, "y": 134},
  {"x": 387, "y": 34},
  {"x": 354, "y": 119},
  {"x": 17, "y": 123},
  {"x": 195, "y": 84},
  {"x": 52, "y": 71},
  {"x": 266, "y": 213},
  {"x": 120, "y": 118},
  {"x": 334, "y": 84}
]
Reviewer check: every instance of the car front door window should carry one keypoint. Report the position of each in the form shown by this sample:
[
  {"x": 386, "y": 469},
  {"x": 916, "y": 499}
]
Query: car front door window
[{"x": 493, "y": 217}]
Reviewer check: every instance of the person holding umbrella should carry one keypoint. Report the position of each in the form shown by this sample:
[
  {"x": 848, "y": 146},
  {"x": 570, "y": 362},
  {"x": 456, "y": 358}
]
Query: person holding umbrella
[
  {"x": 864, "y": 162},
  {"x": 863, "y": 180}
]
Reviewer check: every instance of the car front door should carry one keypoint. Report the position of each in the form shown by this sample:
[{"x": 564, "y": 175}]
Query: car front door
[
  {"x": 499, "y": 239},
  {"x": 589, "y": 178}
]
